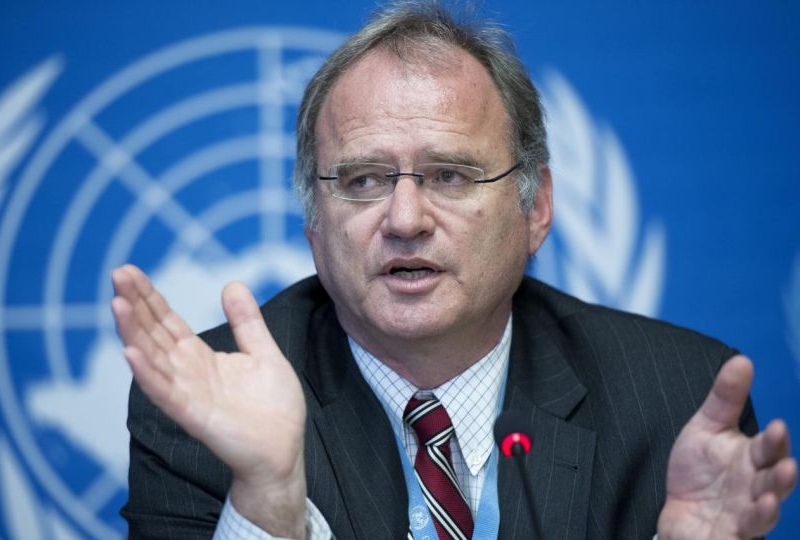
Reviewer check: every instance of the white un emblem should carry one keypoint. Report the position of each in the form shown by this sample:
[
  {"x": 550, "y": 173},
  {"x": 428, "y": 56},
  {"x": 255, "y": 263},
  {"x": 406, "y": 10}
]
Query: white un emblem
[
  {"x": 419, "y": 518},
  {"x": 179, "y": 163}
]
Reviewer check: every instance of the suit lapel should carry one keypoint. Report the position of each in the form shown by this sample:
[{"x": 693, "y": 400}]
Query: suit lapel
[
  {"x": 544, "y": 388},
  {"x": 357, "y": 437}
]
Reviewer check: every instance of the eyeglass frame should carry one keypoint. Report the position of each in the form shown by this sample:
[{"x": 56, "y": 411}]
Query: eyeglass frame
[{"x": 397, "y": 174}]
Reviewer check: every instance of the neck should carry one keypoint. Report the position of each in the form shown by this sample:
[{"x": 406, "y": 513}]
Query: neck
[{"x": 430, "y": 362}]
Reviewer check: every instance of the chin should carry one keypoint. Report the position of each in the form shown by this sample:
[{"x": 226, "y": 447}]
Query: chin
[{"x": 412, "y": 323}]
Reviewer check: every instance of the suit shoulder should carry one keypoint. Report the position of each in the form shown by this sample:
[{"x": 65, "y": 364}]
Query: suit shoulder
[{"x": 607, "y": 328}]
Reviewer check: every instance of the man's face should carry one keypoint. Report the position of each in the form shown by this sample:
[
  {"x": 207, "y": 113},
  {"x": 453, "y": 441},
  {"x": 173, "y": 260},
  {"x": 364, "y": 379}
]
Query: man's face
[{"x": 412, "y": 268}]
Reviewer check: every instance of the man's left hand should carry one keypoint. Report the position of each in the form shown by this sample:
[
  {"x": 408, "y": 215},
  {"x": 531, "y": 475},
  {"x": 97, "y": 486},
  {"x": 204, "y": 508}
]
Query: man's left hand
[{"x": 722, "y": 484}]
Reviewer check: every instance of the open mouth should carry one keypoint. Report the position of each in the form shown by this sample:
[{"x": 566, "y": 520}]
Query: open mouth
[{"x": 411, "y": 273}]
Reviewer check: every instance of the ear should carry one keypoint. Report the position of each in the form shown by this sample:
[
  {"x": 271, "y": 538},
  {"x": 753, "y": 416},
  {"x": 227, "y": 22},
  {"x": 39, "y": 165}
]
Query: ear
[
  {"x": 540, "y": 217},
  {"x": 309, "y": 235}
]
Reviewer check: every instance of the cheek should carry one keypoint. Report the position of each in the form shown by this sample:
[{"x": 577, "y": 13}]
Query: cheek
[
  {"x": 333, "y": 230},
  {"x": 345, "y": 242},
  {"x": 467, "y": 224},
  {"x": 503, "y": 242}
]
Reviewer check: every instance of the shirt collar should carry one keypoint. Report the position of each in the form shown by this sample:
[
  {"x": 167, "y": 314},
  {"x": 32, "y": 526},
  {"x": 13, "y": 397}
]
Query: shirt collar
[{"x": 472, "y": 398}]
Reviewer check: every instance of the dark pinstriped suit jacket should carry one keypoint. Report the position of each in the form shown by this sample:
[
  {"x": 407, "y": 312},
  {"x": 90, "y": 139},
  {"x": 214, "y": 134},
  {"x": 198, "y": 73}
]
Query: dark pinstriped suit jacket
[{"x": 606, "y": 393}]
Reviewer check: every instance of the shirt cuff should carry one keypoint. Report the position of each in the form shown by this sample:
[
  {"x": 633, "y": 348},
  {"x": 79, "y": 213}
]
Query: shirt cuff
[{"x": 233, "y": 526}]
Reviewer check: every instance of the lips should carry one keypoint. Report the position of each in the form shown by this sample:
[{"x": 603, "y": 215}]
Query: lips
[
  {"x": 411, "y": 273},
  {"x": 410, "y": 269}
]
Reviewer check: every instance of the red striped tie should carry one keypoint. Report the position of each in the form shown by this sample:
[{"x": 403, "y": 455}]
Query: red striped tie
[{"x": 434, "y": 468}]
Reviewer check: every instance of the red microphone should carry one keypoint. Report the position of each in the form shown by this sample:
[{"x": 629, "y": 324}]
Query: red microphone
[{"x": 511, "y": 436}]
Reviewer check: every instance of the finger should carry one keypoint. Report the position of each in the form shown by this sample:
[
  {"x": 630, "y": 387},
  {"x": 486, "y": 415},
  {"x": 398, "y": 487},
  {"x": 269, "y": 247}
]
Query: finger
[
  {"x": 154, "y": 305},
  {"x": 779, "y": 479},
  {"x": 724, "y": 404},
  {"x": 171, "y": 399},
  {"x": 152, "y": 316},
  {"x": 135, "y": 337},
  {"x": 135, "y": 324},
  {"x": 760, "y": 518},
  {"x": 152, "y": 382},
  {"x": 770, "y": 445},
  {"x": 129, "y": 328},
  {"x": 138, "y": 326},
  {"x": 247, "y": 323}
]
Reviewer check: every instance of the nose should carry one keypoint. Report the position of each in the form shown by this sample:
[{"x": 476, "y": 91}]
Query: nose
[{"x": 408, "y": 211}]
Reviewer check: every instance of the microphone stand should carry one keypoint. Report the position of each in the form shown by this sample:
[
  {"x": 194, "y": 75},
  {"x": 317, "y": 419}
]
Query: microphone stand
[{"x": 518, "y": 453}]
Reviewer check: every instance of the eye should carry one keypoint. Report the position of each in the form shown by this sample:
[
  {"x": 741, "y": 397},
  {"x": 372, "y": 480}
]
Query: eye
[
  {"x": 449, "y": 176},
  {"x": 362, "y": 182},
  {"x": 362, "y": 178}
]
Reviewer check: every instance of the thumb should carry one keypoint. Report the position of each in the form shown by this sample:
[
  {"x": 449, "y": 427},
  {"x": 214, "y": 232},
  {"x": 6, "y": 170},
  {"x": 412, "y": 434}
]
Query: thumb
[
  {"x": 246, "y": 321},
  {"x": 725, "y": 402}
]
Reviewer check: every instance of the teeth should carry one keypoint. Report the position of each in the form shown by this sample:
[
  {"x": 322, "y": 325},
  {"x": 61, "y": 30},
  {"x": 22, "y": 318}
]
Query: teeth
[{"x": 410, "y": 274}]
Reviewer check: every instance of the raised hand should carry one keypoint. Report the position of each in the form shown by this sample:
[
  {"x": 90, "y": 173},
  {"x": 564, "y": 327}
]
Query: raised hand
[
  {"x": 722, "y": 484},
  {"x": 246, "y": 407}
]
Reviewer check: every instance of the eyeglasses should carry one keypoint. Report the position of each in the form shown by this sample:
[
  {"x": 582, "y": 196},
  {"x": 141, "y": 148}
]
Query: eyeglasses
[{"x": 376, "y": 181}]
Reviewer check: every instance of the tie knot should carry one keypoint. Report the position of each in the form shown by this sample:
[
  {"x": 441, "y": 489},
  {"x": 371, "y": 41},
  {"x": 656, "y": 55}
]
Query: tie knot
[{"x": 429, "y": 421}]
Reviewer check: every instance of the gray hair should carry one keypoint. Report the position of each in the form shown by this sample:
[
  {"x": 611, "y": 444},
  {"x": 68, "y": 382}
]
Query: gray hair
[{"x": 407, "y": 29}]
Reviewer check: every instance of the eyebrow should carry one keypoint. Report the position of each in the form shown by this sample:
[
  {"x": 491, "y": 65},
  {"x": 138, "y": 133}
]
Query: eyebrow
[
  {"x": 458, "y": 158},
  {"x": 360, "y": 159},
  {"x": 430, "y": 156}
]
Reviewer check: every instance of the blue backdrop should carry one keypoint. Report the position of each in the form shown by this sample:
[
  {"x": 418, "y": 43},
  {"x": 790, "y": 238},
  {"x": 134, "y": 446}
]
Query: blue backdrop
[{"x": 161, "y": 133}]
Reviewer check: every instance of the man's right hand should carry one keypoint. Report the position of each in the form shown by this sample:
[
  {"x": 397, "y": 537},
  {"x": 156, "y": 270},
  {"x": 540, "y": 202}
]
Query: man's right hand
[{"x": 246, "y": 407}]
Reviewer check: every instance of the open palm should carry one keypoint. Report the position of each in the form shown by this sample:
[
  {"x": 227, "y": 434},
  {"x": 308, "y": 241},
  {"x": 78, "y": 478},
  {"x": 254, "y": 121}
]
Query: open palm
[
  {"x": 722, "y": 484},
  {"x": 247, "y": 407}
]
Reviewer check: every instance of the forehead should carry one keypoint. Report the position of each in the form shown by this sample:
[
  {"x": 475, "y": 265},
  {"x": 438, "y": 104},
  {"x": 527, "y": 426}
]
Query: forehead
[{"x": 392, "y": 108}]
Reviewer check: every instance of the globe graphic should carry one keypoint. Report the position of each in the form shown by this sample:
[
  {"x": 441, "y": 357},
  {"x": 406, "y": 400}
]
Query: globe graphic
[{"x": 181, "y": 163}]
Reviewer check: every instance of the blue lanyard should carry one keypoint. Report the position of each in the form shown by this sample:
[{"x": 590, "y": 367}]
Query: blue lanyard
[{"x": 487, "y": 521}]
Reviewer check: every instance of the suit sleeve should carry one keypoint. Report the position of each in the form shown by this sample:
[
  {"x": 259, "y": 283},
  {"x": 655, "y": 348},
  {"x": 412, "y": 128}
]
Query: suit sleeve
[{"x": 176, "y": 486}]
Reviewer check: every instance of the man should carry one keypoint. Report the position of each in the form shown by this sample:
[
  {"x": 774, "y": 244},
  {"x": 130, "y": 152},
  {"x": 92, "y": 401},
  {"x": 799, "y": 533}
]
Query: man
[{"x": 422, "y": 165}]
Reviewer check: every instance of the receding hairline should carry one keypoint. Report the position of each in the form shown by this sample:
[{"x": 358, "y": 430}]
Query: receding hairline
[{"x": 450, "y": 59}]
